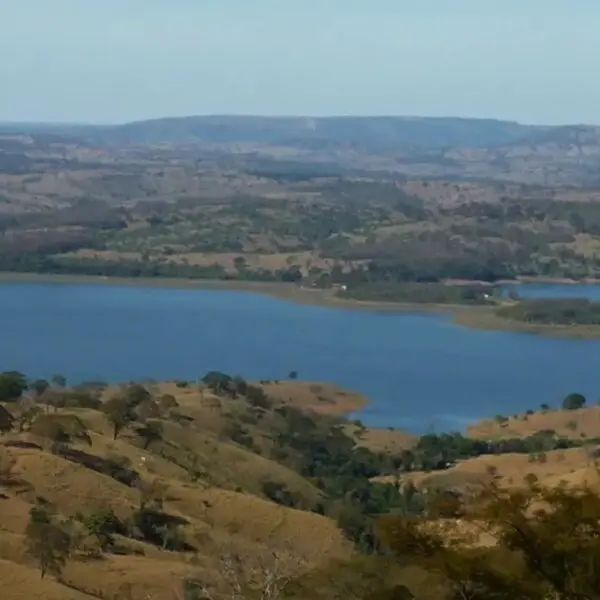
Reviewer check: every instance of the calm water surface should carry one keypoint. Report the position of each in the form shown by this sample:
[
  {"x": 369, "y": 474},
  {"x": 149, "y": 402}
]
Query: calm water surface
[{"x": 420, "y": 371}]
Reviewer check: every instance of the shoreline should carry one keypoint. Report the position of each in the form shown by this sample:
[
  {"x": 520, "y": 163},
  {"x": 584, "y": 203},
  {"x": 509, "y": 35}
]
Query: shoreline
[{"x": 470, "y": 316}]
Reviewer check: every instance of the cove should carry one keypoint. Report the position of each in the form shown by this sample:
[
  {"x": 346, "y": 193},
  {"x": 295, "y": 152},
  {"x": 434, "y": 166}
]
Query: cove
[{"x": 420, "y": 372}]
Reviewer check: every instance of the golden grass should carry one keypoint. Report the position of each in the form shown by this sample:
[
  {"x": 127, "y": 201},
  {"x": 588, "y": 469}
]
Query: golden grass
[
  {"x": 573, "y": 466},
  {"x": 584, "y": 244},
  {"x": 23, "y": 583},
  {"x": 322, "y": 398},
  {"x": 382, "y": 440},
  {"x": 271, "y": 261},
  {"x": 575, "y": 424},
  {"x": 222, "y": 510}
]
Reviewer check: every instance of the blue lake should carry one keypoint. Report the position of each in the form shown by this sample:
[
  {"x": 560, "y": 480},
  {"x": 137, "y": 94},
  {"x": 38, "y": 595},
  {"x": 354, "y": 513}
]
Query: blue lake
[{"x": 420, "y": 371}]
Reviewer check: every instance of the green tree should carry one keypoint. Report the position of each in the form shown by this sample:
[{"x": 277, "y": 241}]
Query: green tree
[
  {"x": 47, "y": 542},
  {"x": 103, "y": 524},
  {"x": 12, "y": 386},
  {"x": 548, "y": 545},
  {"x": 120, "y": 412},
  {"x": 217, "y": 381},
  {"x": 574, "y": 402}
]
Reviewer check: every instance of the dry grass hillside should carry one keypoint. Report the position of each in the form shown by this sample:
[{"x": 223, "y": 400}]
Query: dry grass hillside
[
  {"x": 210, "y": 486},
  {"x": 512, "y": 468},
  {"x": 575, "y": 466},
  {"x": 225, "y": 484},
  {"x": 584, "y": 422},
  {"x": 319, "y": 397},
  {"x": 381, "y": 440}
]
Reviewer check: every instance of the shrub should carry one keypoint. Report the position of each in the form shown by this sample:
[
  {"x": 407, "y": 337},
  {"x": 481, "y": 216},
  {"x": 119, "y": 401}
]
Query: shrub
[
  {"x": 257, "y": 397},
  {"x": 279, "y": 493},
  {"x": 103, "y": 524}
]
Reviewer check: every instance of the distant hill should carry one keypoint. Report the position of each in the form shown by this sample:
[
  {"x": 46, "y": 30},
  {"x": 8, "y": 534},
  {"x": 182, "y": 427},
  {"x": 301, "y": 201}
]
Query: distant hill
[
  {"x": 374, "y": 133},
  {"x": 416, "y": 147},
  {"x": 369, "y": 132}
]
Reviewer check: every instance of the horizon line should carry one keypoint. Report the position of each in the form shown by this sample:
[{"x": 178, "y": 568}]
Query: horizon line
[{"x": 35, "y": 123}]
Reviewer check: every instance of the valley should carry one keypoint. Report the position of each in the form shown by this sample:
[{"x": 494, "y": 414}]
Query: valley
[{"x": 268, "y": 391}]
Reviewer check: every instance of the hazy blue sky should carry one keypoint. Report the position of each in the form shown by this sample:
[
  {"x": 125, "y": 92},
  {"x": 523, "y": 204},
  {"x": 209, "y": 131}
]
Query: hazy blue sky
[{"x": 116, "y": 60}]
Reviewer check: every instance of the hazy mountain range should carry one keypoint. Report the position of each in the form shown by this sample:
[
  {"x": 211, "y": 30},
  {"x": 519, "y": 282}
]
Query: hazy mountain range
[{"x": 414, "y": 147}]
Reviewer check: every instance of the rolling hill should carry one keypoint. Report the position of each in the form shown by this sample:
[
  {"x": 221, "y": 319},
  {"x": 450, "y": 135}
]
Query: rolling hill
[{"x": 193, "y": 477}]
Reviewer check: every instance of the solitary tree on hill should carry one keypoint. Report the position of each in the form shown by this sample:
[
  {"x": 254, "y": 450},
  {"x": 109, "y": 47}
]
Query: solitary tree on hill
[
  {"x": 103, "y": 524},
  {"x": 119, "y": 411},
  {"x": 573, "y": 402},
  {"x": 47, "y": 542}
]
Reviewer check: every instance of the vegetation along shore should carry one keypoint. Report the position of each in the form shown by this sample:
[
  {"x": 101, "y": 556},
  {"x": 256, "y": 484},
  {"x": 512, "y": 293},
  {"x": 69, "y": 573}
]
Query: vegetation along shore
[{"x": 476, "y": 305}]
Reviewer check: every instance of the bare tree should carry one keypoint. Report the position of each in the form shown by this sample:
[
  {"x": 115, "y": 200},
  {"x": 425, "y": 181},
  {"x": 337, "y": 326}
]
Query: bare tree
[
  {"x": 264, "y": 576},
  {"x": 26, "y": 412}
]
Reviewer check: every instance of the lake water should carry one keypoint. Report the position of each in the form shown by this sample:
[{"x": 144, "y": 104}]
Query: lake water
[{"x": 420, "y": 371}]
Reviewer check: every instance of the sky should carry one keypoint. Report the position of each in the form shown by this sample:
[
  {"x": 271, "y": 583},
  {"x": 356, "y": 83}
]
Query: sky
[{"x": 111, "y": 61}]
